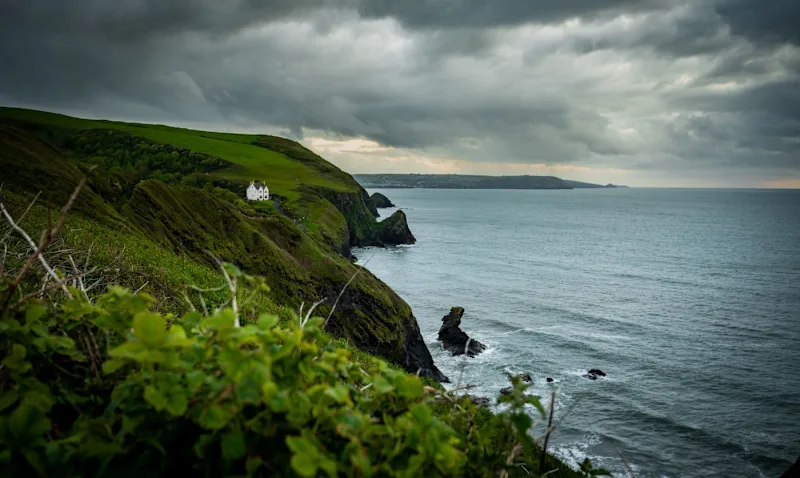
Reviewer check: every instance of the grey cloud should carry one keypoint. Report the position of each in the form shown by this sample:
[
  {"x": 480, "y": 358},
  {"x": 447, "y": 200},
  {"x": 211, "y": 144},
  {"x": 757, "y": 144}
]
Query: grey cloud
[
  {"x": 483, "y": 13},
  {"x": 773, "y": 20},
  {"x": 670, "y": 85}
]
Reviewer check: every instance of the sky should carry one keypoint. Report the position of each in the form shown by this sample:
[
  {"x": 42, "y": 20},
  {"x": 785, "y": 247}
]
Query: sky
[{"x": 695, "y": 93}]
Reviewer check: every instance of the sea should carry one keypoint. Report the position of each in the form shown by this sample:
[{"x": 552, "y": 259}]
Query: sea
[{"x": 688, "y": 299}]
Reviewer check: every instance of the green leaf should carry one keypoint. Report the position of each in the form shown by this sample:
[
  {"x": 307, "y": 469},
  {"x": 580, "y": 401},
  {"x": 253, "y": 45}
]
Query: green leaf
[
  {"x": 34, "y": 313},
  {"x": 195, "y": 379},
  {"x": 305, "y": 455},
  {"x": 253, "y": 464},
  {"x": 7, "y": 398},
  {"x": 381, "y": 385},
  {"x": 267, "y": 321},
  {"x": 410, "y": 387},
  {"x": 177, "y": 403},
  {"x": 27, "y": 423},
  {"x": 16, "y": 360},
  {"x": 303, "y": 465},
  {"x": 192, "y": 319},
  {"x": 213, "y": 418},
  {"x": 223, "y": 319},
  {"x": 534, "y": 400},
  {"x": 232, "y": 270},
  {"x": 177, "y": 336},
  {"x": 522, "y": 422},
  {"x": 155, "y": 398},
  {"x": 150, "y": 328},
  {"x": 112, "y": 365},
  {"x": 233, "y": 445},
  {"x": 340, "y": 393},
  {"x": 302, "y": 446}
]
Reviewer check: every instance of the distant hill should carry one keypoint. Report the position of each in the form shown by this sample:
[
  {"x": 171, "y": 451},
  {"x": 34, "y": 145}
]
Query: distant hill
[
  {"x": 582, "y": 185},
  {"x": 465, "y": 181}
]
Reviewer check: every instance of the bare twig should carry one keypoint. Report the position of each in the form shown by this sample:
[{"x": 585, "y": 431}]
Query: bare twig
[
  {"x": 310, "y": 311},
  {"x": 341, "y": 292},
  {"x": 212, "y": 289},
  {"x": 3, "y": 263},
  {"x": 549, "y": 431},
  {"x": 53, "y": 286},
  {"x": 47, "y": 238},
  {"x": 140, "y": 288},
  {"x": 21, "y": 217}
]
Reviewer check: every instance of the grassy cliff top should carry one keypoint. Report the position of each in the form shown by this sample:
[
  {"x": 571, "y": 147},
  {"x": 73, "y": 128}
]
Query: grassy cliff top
[{"x": 284, "y": 164}]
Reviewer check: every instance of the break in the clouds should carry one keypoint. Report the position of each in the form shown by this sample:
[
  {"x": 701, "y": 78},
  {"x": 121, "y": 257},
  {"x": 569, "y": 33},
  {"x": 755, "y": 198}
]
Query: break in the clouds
[{"x": 647, "y": 92}]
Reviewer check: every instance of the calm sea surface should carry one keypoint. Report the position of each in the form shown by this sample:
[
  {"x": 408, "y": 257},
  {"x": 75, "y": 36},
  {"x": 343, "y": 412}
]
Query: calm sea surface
[{"x": 688, "y": 299}]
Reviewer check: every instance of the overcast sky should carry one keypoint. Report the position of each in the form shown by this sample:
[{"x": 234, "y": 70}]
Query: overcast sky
[{"x": 640, "y": 92}]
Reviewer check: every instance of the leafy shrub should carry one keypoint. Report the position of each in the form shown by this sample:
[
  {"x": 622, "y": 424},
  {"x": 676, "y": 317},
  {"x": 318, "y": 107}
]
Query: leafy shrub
[{"x": 112, "y": 389}]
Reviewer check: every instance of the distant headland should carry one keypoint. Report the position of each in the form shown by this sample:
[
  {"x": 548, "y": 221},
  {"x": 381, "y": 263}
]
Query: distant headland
[{"x": 465, "y": 181}]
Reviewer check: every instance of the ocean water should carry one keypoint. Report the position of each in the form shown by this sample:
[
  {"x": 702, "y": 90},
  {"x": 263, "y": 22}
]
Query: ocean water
[{"x": 688, "y": 299}]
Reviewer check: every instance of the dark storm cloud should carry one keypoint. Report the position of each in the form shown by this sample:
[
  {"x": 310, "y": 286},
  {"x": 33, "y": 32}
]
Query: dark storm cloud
[
  {"x": 492, "y": 13},
  {"x": 611, "y": 83},
  {"x": 773, "y": 20}
]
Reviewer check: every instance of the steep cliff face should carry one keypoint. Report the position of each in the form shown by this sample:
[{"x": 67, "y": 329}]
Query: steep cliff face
[{"x": 363, "y": 228}]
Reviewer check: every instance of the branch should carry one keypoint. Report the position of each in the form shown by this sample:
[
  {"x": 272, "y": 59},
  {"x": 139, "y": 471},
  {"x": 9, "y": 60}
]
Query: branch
[
  {"x": 360, "y": 268},
  {"x": 549, "y": 431},
  {"x": 53, "y": 286},
  {"x": 23, "y": 214},
  {"x": 47, "y": 238}
]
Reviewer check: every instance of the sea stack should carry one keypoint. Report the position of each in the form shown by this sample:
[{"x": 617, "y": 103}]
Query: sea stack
[
  {"x": 380, "y": 201},
  {"x": 454, "y": 339}
]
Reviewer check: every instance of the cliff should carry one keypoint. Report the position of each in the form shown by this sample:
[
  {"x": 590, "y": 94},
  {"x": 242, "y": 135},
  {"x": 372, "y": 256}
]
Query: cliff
[{"x": 165, "y": 198}]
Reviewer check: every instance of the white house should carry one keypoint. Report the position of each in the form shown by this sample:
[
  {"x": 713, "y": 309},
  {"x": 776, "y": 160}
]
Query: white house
[{"x": 257, "y": 191}]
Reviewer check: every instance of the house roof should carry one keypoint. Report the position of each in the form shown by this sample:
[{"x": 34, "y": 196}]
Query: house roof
[{"x": 258, "y": 185}]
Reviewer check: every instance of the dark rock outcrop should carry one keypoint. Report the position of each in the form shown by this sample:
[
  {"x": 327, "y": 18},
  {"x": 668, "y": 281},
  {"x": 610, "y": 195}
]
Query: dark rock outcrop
[
  {"x": 453, "y": 339},
  {"x": 506, "y": 390},
  {"x": 793, "y": 471},
  {"x": 379, "y": 201},
  {"x": 417, "y": 357},
  {"x": 549, "y": 379},
  {"x": 594, "y": 373},
  {"x": 394, "y": 230},
  {"x": 482, "y": 402}
]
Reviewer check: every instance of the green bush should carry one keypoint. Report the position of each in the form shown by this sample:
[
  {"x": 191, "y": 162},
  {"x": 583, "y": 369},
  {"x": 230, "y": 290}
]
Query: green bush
[{"x": 112, "y": 389}]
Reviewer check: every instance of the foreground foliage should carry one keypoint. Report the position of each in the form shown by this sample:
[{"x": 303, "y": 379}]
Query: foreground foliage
[{"x": 112, "y": 389}]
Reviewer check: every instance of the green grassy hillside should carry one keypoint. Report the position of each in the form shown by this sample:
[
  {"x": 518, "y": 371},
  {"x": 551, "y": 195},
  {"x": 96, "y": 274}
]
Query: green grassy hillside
[
  {"x": 305, "y": 183},
  {"x": 193, "y": 219}
]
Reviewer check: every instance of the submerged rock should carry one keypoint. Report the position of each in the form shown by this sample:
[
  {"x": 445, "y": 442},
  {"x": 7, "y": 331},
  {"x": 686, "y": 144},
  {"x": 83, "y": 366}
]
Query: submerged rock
[
  {"x": 394, "y": 230},
  {"x": 379, "y": 201},
  {"x": 454, "y": 339}
]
